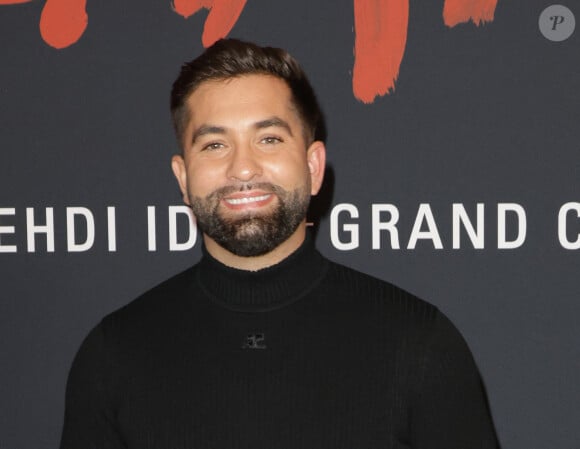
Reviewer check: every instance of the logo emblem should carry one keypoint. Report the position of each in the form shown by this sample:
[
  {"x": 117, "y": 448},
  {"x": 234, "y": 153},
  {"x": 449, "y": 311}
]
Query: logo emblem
[
  {"x": 254, "y": 341},
  {"x": 557, "y": 23}
]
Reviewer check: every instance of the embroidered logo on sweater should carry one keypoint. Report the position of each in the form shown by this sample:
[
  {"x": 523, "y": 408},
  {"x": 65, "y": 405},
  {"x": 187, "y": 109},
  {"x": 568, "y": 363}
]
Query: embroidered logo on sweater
[{"x": 254, "y": 341}]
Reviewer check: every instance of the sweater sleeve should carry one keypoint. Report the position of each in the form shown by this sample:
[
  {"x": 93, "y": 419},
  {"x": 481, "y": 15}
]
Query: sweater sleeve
[
  {"x": 450, "y": 409},
  {"x": 89, "y": 412}
]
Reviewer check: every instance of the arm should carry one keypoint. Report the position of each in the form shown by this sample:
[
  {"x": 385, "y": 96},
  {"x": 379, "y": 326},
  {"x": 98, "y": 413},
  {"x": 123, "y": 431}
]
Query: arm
[
  {"x": 89, "y": 421},
  {"x": 450, "y": 408}
]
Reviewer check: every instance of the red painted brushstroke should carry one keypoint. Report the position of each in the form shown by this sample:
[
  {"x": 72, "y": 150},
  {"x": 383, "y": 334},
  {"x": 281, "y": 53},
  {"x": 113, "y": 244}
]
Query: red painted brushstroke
[
  {"x": 461, "y": 11},
  {"x": 223, "y": 15},
  {"x": 380, "y": 38},
  {"x": 63, "y": 22},
  {"x": 380, "y": 31}
]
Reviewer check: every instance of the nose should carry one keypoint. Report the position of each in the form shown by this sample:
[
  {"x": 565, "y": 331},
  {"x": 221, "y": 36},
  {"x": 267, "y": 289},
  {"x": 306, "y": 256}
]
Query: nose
[{"x": 244, "y": 164}]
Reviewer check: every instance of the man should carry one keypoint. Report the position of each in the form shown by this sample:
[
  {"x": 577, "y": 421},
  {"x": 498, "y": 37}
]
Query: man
[{"x": 265, "y": 343}]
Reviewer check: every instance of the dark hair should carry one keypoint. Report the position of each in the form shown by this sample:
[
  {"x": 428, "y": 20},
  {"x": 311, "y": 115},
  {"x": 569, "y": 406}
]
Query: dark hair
[{"x": 230, "y": 58}]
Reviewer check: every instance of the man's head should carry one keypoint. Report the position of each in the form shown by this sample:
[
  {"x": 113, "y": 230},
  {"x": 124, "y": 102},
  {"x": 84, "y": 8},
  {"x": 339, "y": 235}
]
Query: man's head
[
  {"x": 250, "y": 160},
  {"x": 231, "y": 58}
]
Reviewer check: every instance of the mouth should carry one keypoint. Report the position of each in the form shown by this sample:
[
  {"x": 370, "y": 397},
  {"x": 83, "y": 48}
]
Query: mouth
[{"x": 248, "y": 200}]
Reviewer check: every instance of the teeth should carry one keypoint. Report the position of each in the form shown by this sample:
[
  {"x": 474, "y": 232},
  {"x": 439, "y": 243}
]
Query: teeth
[{"x": 246, "y": 199}]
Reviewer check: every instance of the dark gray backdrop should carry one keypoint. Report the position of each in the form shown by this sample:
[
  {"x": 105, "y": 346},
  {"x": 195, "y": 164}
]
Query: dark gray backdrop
[{"x": 480, "y": 115}]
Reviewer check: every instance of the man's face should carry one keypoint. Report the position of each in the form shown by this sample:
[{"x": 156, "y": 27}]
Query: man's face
[{"x": 246, "y": 171}]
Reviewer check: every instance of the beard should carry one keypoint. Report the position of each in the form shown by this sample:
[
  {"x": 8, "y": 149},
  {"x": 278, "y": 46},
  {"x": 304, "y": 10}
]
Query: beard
[{"x": 253, "y": 233}]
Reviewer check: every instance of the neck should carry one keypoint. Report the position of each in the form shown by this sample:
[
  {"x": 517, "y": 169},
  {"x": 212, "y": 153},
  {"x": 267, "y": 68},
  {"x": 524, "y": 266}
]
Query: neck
[
  {"x": 256, "y": 263},
  {"x": 267, "y": 289}
]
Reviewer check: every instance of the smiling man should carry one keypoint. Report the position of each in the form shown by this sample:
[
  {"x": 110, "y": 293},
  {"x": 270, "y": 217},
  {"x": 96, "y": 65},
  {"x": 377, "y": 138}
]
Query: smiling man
[
  {"x": 265, "y": 344},
  {"x": 248, "y": 169}
]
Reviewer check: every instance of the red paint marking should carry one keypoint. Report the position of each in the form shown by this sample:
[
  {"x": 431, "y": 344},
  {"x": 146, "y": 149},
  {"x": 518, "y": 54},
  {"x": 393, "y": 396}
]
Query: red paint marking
[
  {"x": 188, "y": 8},
  {"x": 461, "y": 11},
  {"x": 380, "y": 39},
  {"x": 63, "y": 22},
  {"x": 380, "y": 31},
  {"x": 223, "y": 15}
]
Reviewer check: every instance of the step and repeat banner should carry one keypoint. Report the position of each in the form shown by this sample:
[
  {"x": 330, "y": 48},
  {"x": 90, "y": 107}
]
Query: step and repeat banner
[{"x": 454, "y": 163}]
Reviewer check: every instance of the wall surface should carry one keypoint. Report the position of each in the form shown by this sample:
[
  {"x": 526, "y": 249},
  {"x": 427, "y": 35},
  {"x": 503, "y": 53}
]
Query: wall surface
[{"x": 461, "y": 184}]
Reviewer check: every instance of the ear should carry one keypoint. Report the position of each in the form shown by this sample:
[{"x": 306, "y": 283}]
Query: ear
[
  {"x": 180, "y": 172},
  {"x": 316, "y": 156}
]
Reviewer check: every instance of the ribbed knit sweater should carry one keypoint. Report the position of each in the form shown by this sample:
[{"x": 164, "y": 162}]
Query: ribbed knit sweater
[{"x": 306, "y": 354}]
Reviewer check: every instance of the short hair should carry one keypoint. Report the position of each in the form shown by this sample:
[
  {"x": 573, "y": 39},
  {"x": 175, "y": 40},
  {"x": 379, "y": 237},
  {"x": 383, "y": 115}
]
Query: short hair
[{"x": 231, "y": 58}]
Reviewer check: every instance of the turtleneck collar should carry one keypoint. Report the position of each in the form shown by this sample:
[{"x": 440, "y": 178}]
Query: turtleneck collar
[{"x": 263, "y": 290}]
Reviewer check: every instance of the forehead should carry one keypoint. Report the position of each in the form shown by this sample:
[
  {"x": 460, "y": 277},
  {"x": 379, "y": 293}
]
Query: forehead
[{"x": 244, "y": 95}]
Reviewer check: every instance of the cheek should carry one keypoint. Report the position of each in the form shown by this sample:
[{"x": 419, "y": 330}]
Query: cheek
[
  {"x": 202, "y": 179},
  {"x": 290, "y": 171}
]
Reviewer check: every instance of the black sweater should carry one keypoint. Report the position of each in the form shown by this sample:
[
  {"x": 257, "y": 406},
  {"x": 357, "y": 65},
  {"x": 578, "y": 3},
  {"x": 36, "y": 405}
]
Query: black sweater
[{"x": 306, "y": 354}]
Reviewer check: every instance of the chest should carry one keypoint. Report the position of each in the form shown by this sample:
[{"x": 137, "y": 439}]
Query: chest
[{"x": 260, "y": 384}]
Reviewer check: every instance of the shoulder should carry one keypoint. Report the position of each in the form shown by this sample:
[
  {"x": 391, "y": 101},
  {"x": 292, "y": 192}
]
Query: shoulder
[
  {"x": 155, "y": 308},
  {"x": 392, "y": 317},
  {"x": 391, "y": 310},
  {"x": 363, "y": 291}
]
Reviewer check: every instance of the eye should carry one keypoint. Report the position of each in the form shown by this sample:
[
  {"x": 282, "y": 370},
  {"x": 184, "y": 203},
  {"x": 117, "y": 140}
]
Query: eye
[
  {"x": 212, "y": 146},
  {"x": 271, "y": 140}
]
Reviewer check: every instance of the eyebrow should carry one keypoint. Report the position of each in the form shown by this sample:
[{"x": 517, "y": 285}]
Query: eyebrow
[
  {"x": 206, "y": 129},
  {"x": 274, "y": 121}
]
